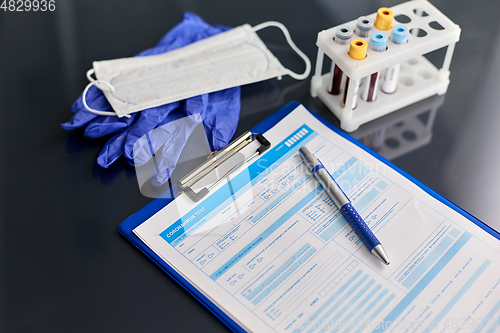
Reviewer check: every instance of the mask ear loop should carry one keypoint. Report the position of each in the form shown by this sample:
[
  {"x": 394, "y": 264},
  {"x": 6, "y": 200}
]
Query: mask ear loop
[
  {"x": 84, "y": 95},
  {"x": 292, "y": 45}
]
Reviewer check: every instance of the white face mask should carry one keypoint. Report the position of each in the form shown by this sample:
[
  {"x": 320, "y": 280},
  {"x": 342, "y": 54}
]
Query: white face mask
[{"x": 229, "y": 59}]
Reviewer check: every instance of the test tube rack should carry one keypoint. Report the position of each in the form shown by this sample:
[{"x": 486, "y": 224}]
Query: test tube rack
[{"x": 418, "y": 79}]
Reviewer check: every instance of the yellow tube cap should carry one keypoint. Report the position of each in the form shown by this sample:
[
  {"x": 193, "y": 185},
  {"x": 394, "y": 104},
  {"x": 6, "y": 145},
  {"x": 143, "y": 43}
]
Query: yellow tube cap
[
  {"x": 384, "y": 19},
  {"x": 357, "y": 51}
]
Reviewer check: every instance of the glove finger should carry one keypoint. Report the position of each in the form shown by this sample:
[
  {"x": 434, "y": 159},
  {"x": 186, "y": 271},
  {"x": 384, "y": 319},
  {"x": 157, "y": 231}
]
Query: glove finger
[
  {"x": 112, "y": 150},
  {"x": 146, "y": 122},
  {"x": 150, "y": 143},
  {"x": 103, "y": 126},
  {"x": 221, "y": 117},
  {"x": 197, "y": 104},
  {"x": 172, "y": 116},
  {"x": 180, "y": 132},
  {"x": 80, "y": 119},
  {"x": 170, "y": 129},
  {"x": 96, "y": 100}
]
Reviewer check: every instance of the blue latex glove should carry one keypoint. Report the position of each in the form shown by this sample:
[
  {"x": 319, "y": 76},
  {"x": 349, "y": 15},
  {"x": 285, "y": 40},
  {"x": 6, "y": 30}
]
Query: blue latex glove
[
  {"x": 162, "y": 137},
  {"x": 220, "y": 112}
]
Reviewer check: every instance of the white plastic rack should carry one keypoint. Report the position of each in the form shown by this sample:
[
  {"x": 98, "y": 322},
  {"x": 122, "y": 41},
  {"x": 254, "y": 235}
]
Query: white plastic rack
[{"x": 418, "y": 79}]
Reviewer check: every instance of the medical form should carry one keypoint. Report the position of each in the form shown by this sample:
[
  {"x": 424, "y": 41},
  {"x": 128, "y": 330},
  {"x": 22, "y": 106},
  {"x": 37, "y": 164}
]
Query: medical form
[{"x": 271, "y": 249}]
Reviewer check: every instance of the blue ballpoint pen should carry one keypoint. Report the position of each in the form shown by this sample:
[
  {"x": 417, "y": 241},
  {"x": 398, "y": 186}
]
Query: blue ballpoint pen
[{"x": 344, "y": 204}]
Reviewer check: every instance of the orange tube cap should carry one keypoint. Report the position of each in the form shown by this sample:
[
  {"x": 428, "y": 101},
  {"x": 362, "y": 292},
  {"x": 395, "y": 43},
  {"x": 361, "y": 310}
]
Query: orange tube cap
[
  {"x": 384, "y": 19},
  {"x": 357, "y": 50}
]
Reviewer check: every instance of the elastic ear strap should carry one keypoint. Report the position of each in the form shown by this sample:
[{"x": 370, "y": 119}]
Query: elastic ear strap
[
  {"x": 84, "y": 98},
  {"x": 292, "y": 45},
  {"x": 89, "y": 75}
]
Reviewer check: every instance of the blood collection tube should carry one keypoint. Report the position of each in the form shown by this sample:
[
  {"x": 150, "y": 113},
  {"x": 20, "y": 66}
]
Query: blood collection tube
[
  {"x": 390, "y": 78},
  {"x": 342, "y": 36},
  {"x": 364, "y": 26},
  {"x": 357, "y": 51},
  {"x": 399, "y": 34},
  {"x": 378, "y": 43},
  {"x": 384, "y": 19}
]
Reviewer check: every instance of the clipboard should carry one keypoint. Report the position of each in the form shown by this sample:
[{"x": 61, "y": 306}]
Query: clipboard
[{"x": 126, "y": 227}]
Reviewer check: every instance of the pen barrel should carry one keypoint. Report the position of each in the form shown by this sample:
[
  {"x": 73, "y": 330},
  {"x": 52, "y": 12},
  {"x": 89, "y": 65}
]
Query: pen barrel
[
  {"x": 359, "y": 226},
  {"x": 331, "y": 187}
]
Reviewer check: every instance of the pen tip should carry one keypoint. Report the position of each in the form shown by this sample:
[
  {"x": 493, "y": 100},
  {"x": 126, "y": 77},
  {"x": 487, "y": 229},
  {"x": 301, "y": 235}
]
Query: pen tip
[{"x": 378, "y": 251}]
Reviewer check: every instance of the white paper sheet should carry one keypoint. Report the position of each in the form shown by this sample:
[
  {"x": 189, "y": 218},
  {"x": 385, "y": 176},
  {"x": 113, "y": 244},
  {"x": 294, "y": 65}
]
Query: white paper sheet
[{"x": 271, "y": 250}]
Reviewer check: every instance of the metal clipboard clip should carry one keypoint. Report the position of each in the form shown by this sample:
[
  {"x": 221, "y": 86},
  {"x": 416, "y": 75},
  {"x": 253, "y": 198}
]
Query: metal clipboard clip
[{"x": 216, "y": 159}]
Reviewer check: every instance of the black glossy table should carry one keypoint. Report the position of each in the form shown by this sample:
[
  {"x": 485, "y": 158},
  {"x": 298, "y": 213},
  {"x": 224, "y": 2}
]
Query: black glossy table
[{"x": 65, "y": 268}]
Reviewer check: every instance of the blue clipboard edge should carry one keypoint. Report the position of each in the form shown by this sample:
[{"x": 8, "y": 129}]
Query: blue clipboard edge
[{"x": 126, "y": 227}]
